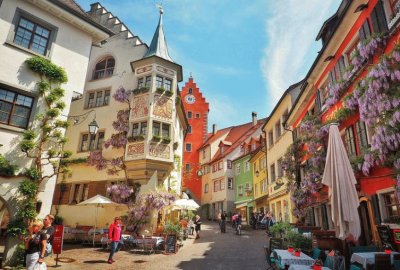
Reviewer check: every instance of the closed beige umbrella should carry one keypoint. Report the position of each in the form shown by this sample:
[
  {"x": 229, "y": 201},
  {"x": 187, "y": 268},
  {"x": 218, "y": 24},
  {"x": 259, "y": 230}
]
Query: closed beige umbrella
[{"x": 339, "y": 177}]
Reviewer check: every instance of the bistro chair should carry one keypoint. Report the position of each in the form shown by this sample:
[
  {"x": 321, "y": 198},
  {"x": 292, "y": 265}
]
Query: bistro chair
[
  {"x": 269, "y": 258},
  {"x": 356, "y": 266},
  {"x": 275, "y": 243},
  {"x": 382, "y": 261},
  {"x": 396, "y": 261},
  {"x": 316, "y": 253}
]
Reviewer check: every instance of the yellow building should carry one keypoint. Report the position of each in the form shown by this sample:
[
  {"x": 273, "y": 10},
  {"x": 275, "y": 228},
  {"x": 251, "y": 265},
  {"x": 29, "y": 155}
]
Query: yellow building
[
  {"x": 278, "y": 139},
  {"x": 258, "y": 162},
  {"x": 153, "y": 154}
]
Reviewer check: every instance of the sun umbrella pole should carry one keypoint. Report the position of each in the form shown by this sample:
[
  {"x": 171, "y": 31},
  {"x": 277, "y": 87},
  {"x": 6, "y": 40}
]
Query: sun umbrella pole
[{"x": 95, "y": 222}]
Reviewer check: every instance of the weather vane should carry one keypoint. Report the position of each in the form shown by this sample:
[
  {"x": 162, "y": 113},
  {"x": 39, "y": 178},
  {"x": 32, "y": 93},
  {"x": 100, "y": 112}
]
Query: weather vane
[{"x": 160, "y": 7}]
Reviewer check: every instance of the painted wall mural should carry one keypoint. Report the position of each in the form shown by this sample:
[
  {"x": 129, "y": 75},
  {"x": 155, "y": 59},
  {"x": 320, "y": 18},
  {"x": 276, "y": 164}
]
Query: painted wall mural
[
  {"x": 162, "y": 107},
  {"x": 165, "y": 70},
  {"x": 159, "y": 150},
  {"x": 135, "y": 150},
  {"x": 140, "y": 106},
  {"x": 143, "y": 69}
]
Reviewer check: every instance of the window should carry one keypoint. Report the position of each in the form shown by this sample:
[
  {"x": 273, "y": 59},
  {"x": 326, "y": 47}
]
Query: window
[
  {"x": 190, "y": 90},
  {"x": 229, "y": 164},
  {"x": 189, "y": 115},
  {"x": 222, "y": 184},
  {"x": 187, "y": 167},
  {"x": 280, "y": 169},
  {"x": 364, "y": 31},
  {"x": 206, "y": 188},
  {"x": 104, "y": 68},
  {"x": 272, "y": 169},
  {"x": 350, "y": 141},
  {"x": 220, "y": 165},
  {"x": 237, "y": 169},
  {"x": 247, "y": 187},
  {"x": 247, "y": 166},
  {"x": 78, "y": 193},
  {"x": 378, "y": 19},
  {"x": 91, "y": 142},
  {"x": 15, "y": 109},
  {"x": 165, "y": 131},
  {"x": 253, "y": 146},
  {"x": 32, "y": 36},
  {"x": 278, "y": 130},
  {"x": 230, "y": 183},
  {"x": 391, "y": 204},
  {"x": 197, "y": 115},
  {"x": 148, "y": 82},
  {"x": 362, "y": 134},
  {"x": 156, "y": 128},
  {"x": 264, "y": 186},
  {"x": 139, "y": 129},
  {"x": 98, "y": 98},
  {"x": 214, "y": 167},
  {"x": 270, "y": 138},
  {"x": 204, "y": 153},
  {"x": 189, "y": 129},
  {"x": 216, "y": 185},
  {"x": 159, "y": 82},
  {"x": 221, "y": 150},
  {"x": 140, "y": 83},
  {"x": 256, "y": 189},
  {"x": 188, "y": 147},
  {"x": 240, "y": 190},
  {"x": 168, "y": 85}
]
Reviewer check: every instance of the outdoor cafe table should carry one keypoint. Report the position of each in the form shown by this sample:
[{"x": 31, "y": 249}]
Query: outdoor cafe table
[
  {"x": 366, "y": 258},
  {"x": 287, "y": 258},
  {"x": 304, "y": 267}
]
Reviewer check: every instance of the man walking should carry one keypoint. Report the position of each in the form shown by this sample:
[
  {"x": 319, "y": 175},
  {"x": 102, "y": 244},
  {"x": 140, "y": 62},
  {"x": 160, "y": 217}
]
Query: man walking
[
  {"x": 114, "y": 237},
  {"x": 48, "y": 229},
  {"x": 223, "y": 222}
]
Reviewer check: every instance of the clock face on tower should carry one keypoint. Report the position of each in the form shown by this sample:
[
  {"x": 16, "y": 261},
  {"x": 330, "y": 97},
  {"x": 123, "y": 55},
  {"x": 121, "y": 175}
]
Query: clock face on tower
[{"x": 190, "y": 99}]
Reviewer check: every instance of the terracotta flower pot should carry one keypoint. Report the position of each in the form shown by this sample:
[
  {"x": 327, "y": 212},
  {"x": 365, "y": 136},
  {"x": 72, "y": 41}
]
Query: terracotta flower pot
[
  {"x": 388, "y": 251},
  {"x": 297, "y": 253},
  {"x": 317, "y": 267},
  {"x": 290, "y": 249}
]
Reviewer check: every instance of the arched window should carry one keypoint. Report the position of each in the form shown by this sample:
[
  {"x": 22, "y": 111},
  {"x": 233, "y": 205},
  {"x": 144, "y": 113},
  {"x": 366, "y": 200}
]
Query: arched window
[{"x": 104, "y": 68}]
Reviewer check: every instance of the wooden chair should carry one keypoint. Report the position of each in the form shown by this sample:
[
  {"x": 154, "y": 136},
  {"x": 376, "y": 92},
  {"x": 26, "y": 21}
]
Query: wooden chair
[
  {"x": 316, "y": 253},
  {"x": 382, "y": 261},
  {"x": 268, "y": 257},
  {"x": 275, "y": 243}
]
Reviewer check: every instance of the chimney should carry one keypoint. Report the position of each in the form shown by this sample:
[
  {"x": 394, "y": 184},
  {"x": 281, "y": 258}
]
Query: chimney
[
  {"x": 254, "y": 118},
  {"x": 214, "y": 129}
]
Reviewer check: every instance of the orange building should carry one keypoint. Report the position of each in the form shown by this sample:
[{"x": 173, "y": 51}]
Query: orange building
[{"x": 196, "y": 108}]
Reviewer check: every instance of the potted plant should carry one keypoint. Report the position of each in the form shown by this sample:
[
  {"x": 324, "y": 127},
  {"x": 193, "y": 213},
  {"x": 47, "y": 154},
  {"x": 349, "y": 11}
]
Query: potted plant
[
  {"x": 297, "y": 252},
  {"x": 160, "y": 90},
  {"x": 178, "y": 100},
  {"x": 290, "y": 248},
  {"x": 144, "y": 89},
  {"x": 156, "y": 138},
  {"x": 166, "y": 140},
  {"x": 387, "y": 248},
  {"x": 318, "y": 265},
  {"x": 169, "y": 93},
  {"x": 136, "y": 91}
]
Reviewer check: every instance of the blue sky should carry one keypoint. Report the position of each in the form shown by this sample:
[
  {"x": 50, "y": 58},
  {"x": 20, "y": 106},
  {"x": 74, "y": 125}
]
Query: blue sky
[{"x": 242, "y": 54}]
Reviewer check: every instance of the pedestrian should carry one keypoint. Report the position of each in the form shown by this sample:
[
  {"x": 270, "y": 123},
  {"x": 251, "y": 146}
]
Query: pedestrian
[
  {"x": 114, "y": 237},
  {"x": 223, "y": 222},
  {"x": 253, "y": 220},
  {"x": 197, "y": 224},
  {"x": 234, "y": 221},
  {"x": 191, "y": 226},
  {"x": 219, "y": 219},
  {"x": 48, "y": 229},
  {"x": 35, "y": 245}
]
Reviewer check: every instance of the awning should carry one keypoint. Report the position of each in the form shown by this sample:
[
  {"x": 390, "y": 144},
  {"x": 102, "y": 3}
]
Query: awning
[{"x": 241, "y": 204}]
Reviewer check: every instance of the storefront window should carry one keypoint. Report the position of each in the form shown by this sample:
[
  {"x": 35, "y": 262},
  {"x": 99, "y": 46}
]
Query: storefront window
[{"x": 392, "y": 205}]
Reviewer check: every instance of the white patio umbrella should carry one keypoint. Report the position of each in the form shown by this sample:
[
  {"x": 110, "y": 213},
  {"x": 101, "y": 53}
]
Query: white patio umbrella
[
  {"x": 184, "y": 204},
  {"x": 339, "y": 177},
  {"x": 97, "y": 201}
]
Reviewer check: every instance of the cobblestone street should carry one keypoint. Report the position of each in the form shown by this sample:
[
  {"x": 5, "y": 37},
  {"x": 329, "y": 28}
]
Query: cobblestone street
[{"x": 212, "y": 251}]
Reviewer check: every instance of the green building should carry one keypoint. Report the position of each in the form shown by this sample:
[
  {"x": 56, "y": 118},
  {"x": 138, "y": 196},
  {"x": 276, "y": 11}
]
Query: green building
[{"x": 243, "y": 186}]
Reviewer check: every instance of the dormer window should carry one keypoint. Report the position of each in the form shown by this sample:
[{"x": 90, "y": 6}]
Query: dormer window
[
  {"x": 221, "y": 150},
  {"x": 104, "y": 68}
]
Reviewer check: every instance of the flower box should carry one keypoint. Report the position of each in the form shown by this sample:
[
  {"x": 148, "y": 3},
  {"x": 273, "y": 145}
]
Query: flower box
[
  {"x": 160, "y": 90},
  {"x": 145, "y": 89},
  {"x": 156, "y": 138},
  {"x": 175, "y": 145},
  {"x": 136, "y": 91},
  {"x": 166, "y": 140},
  {"x": 169, "y": 93}
]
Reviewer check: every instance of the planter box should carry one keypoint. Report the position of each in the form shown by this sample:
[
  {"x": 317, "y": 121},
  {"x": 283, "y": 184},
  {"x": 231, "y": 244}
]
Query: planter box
[
  {"x": 144, "y": 89},
  {"x": 166, "y": 140},
  {"x": 160, "y": 90},
  {"x": 156, "y": 139},
  {"x": 169, "y": 93}
]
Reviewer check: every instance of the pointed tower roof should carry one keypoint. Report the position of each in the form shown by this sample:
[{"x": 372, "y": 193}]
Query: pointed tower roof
[{"x": 158, "y": 46}]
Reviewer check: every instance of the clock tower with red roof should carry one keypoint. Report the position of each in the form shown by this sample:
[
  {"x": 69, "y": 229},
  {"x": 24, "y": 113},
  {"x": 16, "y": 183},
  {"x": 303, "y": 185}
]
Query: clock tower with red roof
[{"x": 196, "y": 108}]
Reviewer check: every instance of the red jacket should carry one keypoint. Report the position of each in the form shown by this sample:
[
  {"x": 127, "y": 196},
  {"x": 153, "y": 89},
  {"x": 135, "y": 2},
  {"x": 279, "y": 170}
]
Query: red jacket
[{"x": 114, "y": 232}]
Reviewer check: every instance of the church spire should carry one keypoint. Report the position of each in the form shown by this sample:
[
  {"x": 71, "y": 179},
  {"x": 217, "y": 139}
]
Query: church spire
[{"x": 158, "y": 46}]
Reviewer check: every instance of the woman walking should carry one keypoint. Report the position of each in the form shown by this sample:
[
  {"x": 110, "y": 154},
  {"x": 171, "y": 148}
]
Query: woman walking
[
  {"x": 197, "y": 224},
  {"x": 35, "y": 245}
]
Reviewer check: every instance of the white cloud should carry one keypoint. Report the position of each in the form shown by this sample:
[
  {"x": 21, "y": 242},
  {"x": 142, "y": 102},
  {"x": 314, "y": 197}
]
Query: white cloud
[
  {"x": 222, "y": 110},
  {"x": 291, "y": 48}
]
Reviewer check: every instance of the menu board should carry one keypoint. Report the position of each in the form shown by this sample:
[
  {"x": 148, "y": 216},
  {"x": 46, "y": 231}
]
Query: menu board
[
  {"x": 58, "y": 239},
  {"x": 170, "y": 244},
  {"x": 396, "y": 236}
]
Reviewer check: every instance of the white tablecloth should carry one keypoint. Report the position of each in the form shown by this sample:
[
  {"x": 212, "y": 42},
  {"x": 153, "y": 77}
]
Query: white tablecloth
[
  {"x": 304, "y": 267},
  {"x": 287, "y": 258},
  {"x": 366, "y": 258}
]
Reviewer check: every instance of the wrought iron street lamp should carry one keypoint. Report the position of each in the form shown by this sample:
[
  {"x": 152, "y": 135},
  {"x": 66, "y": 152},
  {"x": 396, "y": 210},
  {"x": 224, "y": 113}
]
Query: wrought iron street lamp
[
  {"x": 77, "y": 119},
  {"x": 93, "y": 128}
]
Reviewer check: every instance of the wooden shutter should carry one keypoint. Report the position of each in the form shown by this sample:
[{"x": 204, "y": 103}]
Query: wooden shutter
[
  {"x": 375, "y": 207},
  {"x": 364, "y": 31},
  {"x": 80, "y": 193},
  {"x": 71, "y": 193},
  {"x": 318, "y": 103},
  {"x": 325, "y": 224},
  {"x": 378, "y": 19},
  {"x": 86, "y": 192}
]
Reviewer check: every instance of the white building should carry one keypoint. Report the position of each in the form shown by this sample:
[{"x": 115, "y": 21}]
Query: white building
[
  {"x": 63, "y": 33},
  {"x": 156, "y": 121}
]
